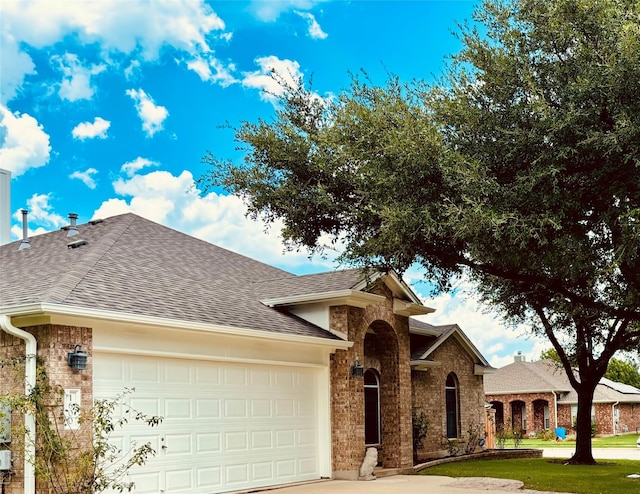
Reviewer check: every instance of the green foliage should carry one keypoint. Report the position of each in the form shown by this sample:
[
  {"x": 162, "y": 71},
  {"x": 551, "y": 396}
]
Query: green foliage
[
  {"x": 420, "y": 427},
  {"x": 517, "y": 170},
  {"x": 79, "y": 460}
]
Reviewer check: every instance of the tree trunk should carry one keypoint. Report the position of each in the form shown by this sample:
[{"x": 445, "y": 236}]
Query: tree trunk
[{"x": 584, "y": 454}]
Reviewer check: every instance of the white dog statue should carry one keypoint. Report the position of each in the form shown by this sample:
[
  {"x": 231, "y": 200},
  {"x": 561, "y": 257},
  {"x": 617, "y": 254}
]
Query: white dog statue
[{"x": 368, "y": 464}]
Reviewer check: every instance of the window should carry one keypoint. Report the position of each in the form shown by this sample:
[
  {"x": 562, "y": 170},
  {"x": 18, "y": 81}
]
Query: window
[
  {"x": 452, "y": 407},
  {"x": 371, "y": 407}
]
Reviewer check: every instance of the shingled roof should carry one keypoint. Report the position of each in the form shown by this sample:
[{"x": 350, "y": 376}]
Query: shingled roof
[{"x": 135, "y": 266}]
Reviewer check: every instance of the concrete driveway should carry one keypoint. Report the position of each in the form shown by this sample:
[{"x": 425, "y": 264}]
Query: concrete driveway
[{"x": 410, "y": 484}]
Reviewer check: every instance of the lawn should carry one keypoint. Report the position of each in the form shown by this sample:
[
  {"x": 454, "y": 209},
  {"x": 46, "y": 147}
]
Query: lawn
[
  {"x": 546, "y": 474},
  {"x": 622, "y": 441}
]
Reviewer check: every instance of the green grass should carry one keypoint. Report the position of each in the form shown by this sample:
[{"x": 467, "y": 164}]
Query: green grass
[
  {"x": 623, "y": 441},
  {"x": 546, "y": 474}
]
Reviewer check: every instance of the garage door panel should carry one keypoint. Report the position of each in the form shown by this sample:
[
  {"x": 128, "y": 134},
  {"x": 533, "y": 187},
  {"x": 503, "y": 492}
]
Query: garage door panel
[{"x": 225, "y": 426}]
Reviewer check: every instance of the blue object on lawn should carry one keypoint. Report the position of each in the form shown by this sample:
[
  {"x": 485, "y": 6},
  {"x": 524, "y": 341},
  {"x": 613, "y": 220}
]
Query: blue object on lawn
[{"x": 561, "y": 433}]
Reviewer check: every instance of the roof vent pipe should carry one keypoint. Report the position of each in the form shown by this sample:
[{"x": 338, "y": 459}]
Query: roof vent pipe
[
  {"x": 25, "y": 244},
  {"x": 73, "y": 229}
]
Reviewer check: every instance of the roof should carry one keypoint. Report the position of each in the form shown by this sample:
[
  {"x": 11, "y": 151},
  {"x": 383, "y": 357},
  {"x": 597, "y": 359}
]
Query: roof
[
  {"x": 133, "y": 265},
  {"x": 426, "y": 338},
  {"x": 548, "y": 376}
]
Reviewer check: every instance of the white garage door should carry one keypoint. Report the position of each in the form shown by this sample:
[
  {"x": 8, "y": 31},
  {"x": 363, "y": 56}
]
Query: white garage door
[{"x": 226, "y": 426}]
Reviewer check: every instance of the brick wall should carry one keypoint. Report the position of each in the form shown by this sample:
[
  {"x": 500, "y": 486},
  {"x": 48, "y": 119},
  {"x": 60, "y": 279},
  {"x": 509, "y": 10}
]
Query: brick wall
[
  {"x": 629, "y": 418},
  {"x": 54, "y": 343},
  {"x": 387, "y": 351},
  {"x": 534, "y": 410},
  {"x": 429, "y": 396}
]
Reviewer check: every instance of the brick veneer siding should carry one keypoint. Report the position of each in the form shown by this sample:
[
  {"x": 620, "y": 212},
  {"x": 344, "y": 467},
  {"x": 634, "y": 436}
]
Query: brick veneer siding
[
  {"x": 534, "y": 412},
  {"x": 387, "y": 351},
  {"x": 54, "y": 343},
  {"x": 629, "y": 420},
  {"x": 428, "y": 395}
]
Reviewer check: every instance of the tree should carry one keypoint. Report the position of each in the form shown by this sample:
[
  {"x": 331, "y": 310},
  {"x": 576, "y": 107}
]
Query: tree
[
  {"x": 517, "y": 170},
  {"x": 618, "y": 370}
]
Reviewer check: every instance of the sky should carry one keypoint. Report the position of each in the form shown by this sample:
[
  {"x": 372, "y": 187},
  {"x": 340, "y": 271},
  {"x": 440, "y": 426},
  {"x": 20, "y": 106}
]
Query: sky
[{"x": 108, "y": 106}]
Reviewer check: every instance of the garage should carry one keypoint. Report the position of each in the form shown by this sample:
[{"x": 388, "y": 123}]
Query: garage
[{"x": 227, "y": 425}]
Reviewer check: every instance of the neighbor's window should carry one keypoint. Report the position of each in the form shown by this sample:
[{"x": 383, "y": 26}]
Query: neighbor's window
[{"x": 452, "y": 406}]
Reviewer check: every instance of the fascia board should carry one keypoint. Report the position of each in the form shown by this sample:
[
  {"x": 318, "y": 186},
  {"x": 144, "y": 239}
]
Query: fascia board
[
  {"x": 408, "y": 309},
  {"x": 125, "y": 317},
  {"x": 423, "y": 365},
  {"x": 483, "y": 370},
  {"x": 353, "y": 298},
  {"x": 525, "y": 392}
]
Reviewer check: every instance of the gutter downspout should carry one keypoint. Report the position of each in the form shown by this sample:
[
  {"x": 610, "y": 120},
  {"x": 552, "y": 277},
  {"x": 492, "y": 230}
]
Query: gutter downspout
[
  {"x": 613, "y": 417},
  {"x": 30, "y": 383},
  {"x": 555, "y": 403}
]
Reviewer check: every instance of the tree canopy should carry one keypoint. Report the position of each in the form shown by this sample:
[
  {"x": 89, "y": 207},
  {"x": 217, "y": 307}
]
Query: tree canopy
[{"x": 518, "y": 169}]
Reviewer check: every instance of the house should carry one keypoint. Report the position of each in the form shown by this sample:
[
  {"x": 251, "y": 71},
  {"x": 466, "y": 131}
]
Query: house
[
  {"x": 535, "y": 396},
  {"x": 262, "y": 377}
]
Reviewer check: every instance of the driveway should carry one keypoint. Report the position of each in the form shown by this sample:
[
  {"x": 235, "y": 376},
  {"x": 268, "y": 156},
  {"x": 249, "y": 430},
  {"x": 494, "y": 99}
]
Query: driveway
[{"x": 410, "y": 484}]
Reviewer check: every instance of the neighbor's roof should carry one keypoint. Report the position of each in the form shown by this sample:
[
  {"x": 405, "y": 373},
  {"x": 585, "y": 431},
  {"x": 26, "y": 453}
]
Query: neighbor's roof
[
  {"x": 133, "y": 265},
  {"x": 546, "y": 376}
]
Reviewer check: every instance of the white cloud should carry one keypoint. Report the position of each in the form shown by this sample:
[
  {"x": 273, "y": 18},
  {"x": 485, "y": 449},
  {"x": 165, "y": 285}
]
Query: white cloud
[
  {"x": 40, "y": 213},
  {"x": 138, "y": 29},
  {"x": 23, "y": 142},
  {"x": 315, "y": 31},
  {"x": 15, "y": 66},
  {"x": 263, "y": 80},
  {"x": 152, "y": 115},
  {"x": 130, "y": 168},
  {"x": 86, "y": 177},
  {"x": 76, "y": 82},
  {"x": 270, "y": 10},
  {"x": 89, "y": 130},
  {"x": 219, "y": 219},
  {"x": 213, "y": 70}
]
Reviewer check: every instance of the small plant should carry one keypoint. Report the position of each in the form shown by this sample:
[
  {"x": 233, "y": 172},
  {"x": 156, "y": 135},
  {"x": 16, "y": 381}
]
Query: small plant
[
  {"x": 420, "y": 426},
  {"x": 517, "y": 435},
  {"x": 73, "y": 451},
  {"x": 453, "y": 445},
  {"x": 501, "y": 436},
  {"x": 474, "y": 433}
]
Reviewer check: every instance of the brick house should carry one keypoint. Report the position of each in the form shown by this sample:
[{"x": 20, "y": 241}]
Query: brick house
[
  {"x": 262, "y": 377},
  {"x": 535, "y": 396}
]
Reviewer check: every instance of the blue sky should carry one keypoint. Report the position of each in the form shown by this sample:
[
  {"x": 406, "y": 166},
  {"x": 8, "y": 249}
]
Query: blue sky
[{"x": 109, "y": 106}]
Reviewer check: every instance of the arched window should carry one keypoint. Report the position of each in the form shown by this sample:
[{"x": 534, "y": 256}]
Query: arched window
[
  {"x": 371, "y": 407},
  {"x": 452, "y": 406}
]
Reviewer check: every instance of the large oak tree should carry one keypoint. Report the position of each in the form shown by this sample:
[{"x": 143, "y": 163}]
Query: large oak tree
[{"x": 519, "y": 169}]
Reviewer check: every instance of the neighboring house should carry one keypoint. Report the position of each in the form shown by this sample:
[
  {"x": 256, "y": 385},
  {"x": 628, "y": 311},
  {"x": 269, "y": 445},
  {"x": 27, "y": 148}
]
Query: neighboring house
[
  {"x": 262, "y": 377},
  {"x": 534, "y": 396}
]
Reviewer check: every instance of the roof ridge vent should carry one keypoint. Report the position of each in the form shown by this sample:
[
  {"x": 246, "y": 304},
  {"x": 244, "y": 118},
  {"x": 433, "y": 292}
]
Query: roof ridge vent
[
  {"x": 77, "y": 243},
  {"x": 72, "y": 229},
  {"x": 96, "y": 221}
]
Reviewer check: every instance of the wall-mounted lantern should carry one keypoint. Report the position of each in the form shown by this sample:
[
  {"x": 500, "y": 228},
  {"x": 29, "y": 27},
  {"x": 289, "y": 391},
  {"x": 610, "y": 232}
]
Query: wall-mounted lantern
[
  {"x": 357, "y": 370},
  {"x": 77, "y": 359}
]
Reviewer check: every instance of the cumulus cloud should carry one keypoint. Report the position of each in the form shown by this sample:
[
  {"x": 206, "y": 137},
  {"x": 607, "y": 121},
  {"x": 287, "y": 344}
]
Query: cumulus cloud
[
  {"x": 315, "y": 31},
  {"x": 40, "y": 213},
  {"x": 186, "y": 26},
  {"x": 152, "y": 115},
  {"x": 15, "y": 66},
  {"x": 262, "y": 79},
  {"x": 220, "y": 219},
  {"x": 76, "y": 81},
  {"x": 86, "y": 177},
  {"x": 89, "y": 130},
  {"x": 213, "y": 70},
  {"x": 23, "y": 142},
  {"x": 130, "y": 168},
  {"x": 269, "y": 11}
]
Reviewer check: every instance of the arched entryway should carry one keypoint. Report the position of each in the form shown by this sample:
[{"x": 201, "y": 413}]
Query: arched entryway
[
  {"x": 381, "y": 380},
  {"x": 518, "y": 415},
  {"x": 541, "y": 415},
  {"x": 498, "y": 406}
]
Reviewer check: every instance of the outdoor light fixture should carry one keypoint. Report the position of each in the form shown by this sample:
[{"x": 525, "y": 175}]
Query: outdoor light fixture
[
  {"x": 77, "y": 359},
  {"x": 357, "y": 370}
]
